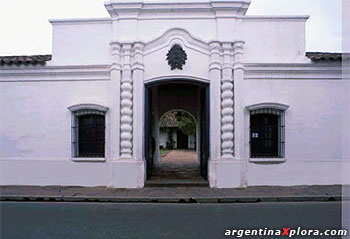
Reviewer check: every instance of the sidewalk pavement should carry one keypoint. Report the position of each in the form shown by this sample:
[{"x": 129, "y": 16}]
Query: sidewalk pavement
[{"x": 173, "y": 194}]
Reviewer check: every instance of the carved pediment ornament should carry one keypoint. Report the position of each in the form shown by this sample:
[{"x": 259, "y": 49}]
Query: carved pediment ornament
[{"x": 176, "y": 57}]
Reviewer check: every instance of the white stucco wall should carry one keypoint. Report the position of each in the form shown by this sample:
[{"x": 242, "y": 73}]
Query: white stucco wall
[
  {"x": 274, "y": 40},
  {"x": 86, "y": 41},
  {"x": 36, "y": 133},
  {"x": 37, "y": 121},
  {"x": 35, "y": 127},
  {"x": 313, "y": 131},
  {"x": 81, "y": 42}
]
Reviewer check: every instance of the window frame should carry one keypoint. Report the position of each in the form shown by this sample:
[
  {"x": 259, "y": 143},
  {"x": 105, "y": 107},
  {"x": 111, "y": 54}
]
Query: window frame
[
  {"x": 274, "y": 109},
  {"x": 76, "y": 112}
]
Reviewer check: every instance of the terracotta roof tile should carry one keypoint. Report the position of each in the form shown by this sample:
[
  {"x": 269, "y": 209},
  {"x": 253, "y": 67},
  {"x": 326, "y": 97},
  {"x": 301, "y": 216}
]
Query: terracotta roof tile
[
  {"x": 324, "y": 56},
  {"x": 25, "y": 60}
]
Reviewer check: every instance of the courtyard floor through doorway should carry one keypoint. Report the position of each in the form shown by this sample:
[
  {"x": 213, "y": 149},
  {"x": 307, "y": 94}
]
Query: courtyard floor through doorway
[{"x": 177, "y": 168}]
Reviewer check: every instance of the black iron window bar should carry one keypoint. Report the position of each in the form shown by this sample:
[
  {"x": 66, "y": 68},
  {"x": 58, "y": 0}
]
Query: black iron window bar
[
  {"x": 88, "y": 134},
  {"x": 267, "y": 128}
]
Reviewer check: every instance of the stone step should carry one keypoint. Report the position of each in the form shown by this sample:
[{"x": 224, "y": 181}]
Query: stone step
[{"x": 176, "y": 183}]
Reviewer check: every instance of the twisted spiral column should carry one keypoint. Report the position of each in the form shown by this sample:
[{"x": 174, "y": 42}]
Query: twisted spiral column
[
  {"x": 227, "y": 104},
  {"x": 126, "y": 104}
]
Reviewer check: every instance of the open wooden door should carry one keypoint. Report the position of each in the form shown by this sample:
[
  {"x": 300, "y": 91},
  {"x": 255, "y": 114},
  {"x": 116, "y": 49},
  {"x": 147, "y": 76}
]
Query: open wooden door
[
  {"x": 204, "y": 131},
  {"x": 149, "y": 145}
]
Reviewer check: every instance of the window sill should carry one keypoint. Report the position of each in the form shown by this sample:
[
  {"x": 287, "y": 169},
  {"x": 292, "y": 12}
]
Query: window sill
[
  {"x": 267, "y": 160},
  {"x": 88, "y": 159}
]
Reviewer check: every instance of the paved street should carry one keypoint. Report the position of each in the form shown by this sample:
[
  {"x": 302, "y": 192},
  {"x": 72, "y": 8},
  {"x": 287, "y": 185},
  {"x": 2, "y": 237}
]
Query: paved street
[{"x": 29, "y": 220}]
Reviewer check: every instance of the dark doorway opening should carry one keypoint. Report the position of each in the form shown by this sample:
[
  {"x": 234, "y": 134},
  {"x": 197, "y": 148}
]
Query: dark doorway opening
[
  {"x": 182, "y": 140},
  {"x": 174, "y": 154}
]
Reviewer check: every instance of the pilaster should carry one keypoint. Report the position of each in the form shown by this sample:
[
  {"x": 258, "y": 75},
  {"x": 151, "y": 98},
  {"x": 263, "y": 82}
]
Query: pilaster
[
  {"x": 126, "y": 130},
  {"x": 238, "y": 75},
  {"x": 138, "y": 96},
  {"x": 114, "y": 90},
  {"x": 215, "y": 102}
]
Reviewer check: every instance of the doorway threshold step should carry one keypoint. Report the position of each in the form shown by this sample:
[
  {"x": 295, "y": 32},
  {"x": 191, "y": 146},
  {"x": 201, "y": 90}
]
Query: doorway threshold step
[{"x": 176, "y": 183}]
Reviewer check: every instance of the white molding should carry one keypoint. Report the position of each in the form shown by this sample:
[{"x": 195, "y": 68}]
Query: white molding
[
  {"x": 308, "y": 64},
  {"x": 277, "y": 17},
  {"x": 177, "y": 78},
  {"x": 270, "y": 105},
  {"x": 97, "y": 160},
  {"x": 253, "y": 71},
  {"x": 303, "y": 71},
  {"x": 226, "y": 161},
  {"x": 109, "y": 20},
  {"x": 80, "y": 21},
  {"x": 77, "y": 107},
  {"x": 267, "y": 160},
  {"x": 179, "y": 36},
  {"x": 55, "y": 73},
  {"x": 216, "y": 8},
  {"x": 315, "y": 78}
]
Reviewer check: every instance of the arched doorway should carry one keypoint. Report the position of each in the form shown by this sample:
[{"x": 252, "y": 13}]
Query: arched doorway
[
  {"x": 177, "y": 130},
  {"x": 183, "y": 100}
]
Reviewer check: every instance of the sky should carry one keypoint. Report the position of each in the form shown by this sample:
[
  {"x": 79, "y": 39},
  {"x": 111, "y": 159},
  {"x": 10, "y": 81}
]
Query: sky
[{"x": 25, "y": 30}]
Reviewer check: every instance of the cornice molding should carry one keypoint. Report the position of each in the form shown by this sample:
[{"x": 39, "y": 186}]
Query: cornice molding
[
  {"x": 276, "y": 17},
  {"x": 329, "y": 65},
  {"x": 149, "y": 15},
  {"x": 55, "y": 73},
  {"x": 137, "y": 55},
  {"x": 253, "y": 71},
  {"x": 98, "y": 107},
  {"x": 69, "y": 21},
  {"x": 177, "y": 78},
  {"x": 269, "y": 105},
  {"x": 311, "y": 71},
  {"x": 200, "y": 15},
  {"x": 124, "y": 9}
]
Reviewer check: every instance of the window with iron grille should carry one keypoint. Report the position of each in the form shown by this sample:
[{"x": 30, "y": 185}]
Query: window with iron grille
[
  {"x": 88, "y": 131},
  {"x": 267, "y": 133}
]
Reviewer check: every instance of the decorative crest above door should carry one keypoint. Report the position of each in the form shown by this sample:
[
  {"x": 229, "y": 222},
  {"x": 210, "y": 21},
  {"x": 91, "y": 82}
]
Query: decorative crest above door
[{"x": 176, "y": 57}]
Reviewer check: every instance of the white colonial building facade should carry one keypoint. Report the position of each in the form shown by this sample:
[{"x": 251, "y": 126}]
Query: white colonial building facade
[{"x": 266, "y": 112}]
